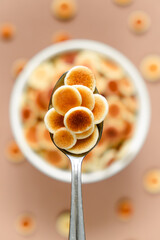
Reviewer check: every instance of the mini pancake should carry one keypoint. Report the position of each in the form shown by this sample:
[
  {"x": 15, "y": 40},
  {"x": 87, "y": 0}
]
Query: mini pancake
[
  {"x": 88, "y": 100},
  {"x": 123, "y": 2},
  {"x": 30, "y": 133},
  {"x": 18, "y": 66},
  {"x": 25, "y": 224},
  {"x": 64, "y": 139},
  {"x": 85, "y": 134},
  {"x": 60, "y": 37},
  {"x": 150, "y": 68},
  {"x": 28, "y": 115},
  {"x": 84, "y": 145},
  {"x": 13, "y": 153},
  {"x": 131, "y": 103},
  {"x": 111, "y": 69},
  {"x": 112, "y": 87},
  {"x": 69, "y": 57},
  {"x": 126, "y": 87},
  {"x": 62, "y": 223},
  {"x": 56, "y": 158},
  {"x": 107, "y": 158},
  {"x": 7, "y": 31},
  {"x": 42, "y": 77},
  {"x": 65, "y": 98},
  {"x": 44, "y": 138},
  {"x": 80, "y": 75},
  {"x": 124, "y": 209},
  {"x": 41, "y": 101},
  {"x": 128, "y": 129},
  {"x": 151, "y": 181},
  {"x": 100, "y": 109},
  {"x": 79, "y": 119},
  {"x": 101, "y": 84},
  {"x": 53, "y": 120},
  {"x": 139, "y": 22},
  {"x": 64, "y": 9}
]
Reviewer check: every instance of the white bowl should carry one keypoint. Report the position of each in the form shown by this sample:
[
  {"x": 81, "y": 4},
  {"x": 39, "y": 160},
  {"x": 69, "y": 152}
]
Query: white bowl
[{"x": 142, "y": 121}]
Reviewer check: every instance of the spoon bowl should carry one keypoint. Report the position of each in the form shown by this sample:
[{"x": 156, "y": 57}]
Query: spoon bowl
[{"x": 77, "y": 231}]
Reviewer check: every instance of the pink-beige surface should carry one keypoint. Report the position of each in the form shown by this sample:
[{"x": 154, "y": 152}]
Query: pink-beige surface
[{"x": 22, "y": 187}]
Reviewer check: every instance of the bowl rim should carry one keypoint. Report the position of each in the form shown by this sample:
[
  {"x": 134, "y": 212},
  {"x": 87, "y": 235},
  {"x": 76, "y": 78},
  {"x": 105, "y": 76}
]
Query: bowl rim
[{"x": 144, "y": 114}]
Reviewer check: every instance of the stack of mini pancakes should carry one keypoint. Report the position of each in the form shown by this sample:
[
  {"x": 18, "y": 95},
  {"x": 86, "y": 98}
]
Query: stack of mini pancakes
[{"x": 76, "y": 112}]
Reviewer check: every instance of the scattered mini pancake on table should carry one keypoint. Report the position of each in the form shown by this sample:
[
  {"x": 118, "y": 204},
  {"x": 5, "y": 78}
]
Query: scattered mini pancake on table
[
  {"x": 7, "y": 31},
  {"x": 25, "y": 224},
  {"x": 151, "y": 181},
  {"x": 62, "y": 223},
  {"x": 124, "y": 209},
  {"x": 123, "y": 2},
  {"x": 13, "y": 153},
  {"x": 139, "y": 22},
  {"x": 150, "y": 68},
  {"x": 64, "y": 9}
]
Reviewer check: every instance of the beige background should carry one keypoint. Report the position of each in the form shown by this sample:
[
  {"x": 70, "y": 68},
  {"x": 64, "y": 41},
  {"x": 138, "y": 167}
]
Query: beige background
[{"x": 22, "y": 187}]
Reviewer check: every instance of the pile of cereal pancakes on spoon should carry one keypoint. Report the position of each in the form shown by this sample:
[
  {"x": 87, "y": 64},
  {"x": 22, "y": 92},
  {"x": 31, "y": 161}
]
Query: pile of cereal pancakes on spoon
[{"x": 77, "y": 109}]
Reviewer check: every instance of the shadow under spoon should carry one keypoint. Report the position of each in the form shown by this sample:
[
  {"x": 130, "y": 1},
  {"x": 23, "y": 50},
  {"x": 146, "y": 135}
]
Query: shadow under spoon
[{"x": 77, "y": 231}]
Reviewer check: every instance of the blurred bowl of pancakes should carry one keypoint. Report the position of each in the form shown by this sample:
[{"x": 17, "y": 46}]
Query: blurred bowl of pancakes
[{"x": 125, "y": 127}]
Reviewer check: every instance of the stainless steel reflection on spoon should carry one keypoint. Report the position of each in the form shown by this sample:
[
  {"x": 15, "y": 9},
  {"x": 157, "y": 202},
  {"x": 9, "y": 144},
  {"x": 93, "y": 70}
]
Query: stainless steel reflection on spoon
[{"x": 77, "y": 231}]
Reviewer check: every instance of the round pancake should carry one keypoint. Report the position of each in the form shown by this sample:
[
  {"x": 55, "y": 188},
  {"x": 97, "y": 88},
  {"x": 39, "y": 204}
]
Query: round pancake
[
  {"x": 53, "y": 120},
  {"x": 78, "y": 119},
  {"x": 88, "y": 100},
  {"x": 84, "y": 145},
  {"x": 100, "y": 109},
  {"x": 64, "y": 139},
  {"x": 86, "y": 133},
  {"x": 65, "y": 98},
  {"x": 80, "y": 75}
]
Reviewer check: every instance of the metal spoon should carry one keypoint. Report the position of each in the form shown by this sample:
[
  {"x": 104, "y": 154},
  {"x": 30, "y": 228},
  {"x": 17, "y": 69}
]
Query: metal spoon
[{"x": 77, "y": 231}]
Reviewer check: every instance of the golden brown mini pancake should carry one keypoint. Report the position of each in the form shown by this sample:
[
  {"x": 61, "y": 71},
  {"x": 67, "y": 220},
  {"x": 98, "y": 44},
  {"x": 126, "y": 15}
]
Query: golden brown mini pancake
[
  {"x": 30, "y": 133},
  {"x": 61, "y": 37},
  {"x": 84, "y": 145},
  {"x": 64, "y": 139},
  {"x": 62, "y": 223},
  {"x": 88, "y": 100},
  {"x": 44, "y": 138},
  {"x": 64, "y": 9},
  {"x": 79, "y": 119},
  {"x": 100, "y": 109},
  {"x": 151, "y": 181},
  {"x": 7, "y": 31},
  {"x": 80, "y": 75},
  {"x": 25, "y": 224},
  {"x": 139, "y": 22},
  {"x": 86, "y": 133},
  {"x": 13, "y": 153},
  {"x": 150, "y": 68},
  {"x": 53, "y": 120},
  {"x": 56, "y": 158},
  {"x": 124, "y": 209},
  {"x": 65, "y": 98}
]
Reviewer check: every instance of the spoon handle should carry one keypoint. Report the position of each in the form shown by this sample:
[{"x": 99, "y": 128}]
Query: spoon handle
[{"x": 77, "y": 231}]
